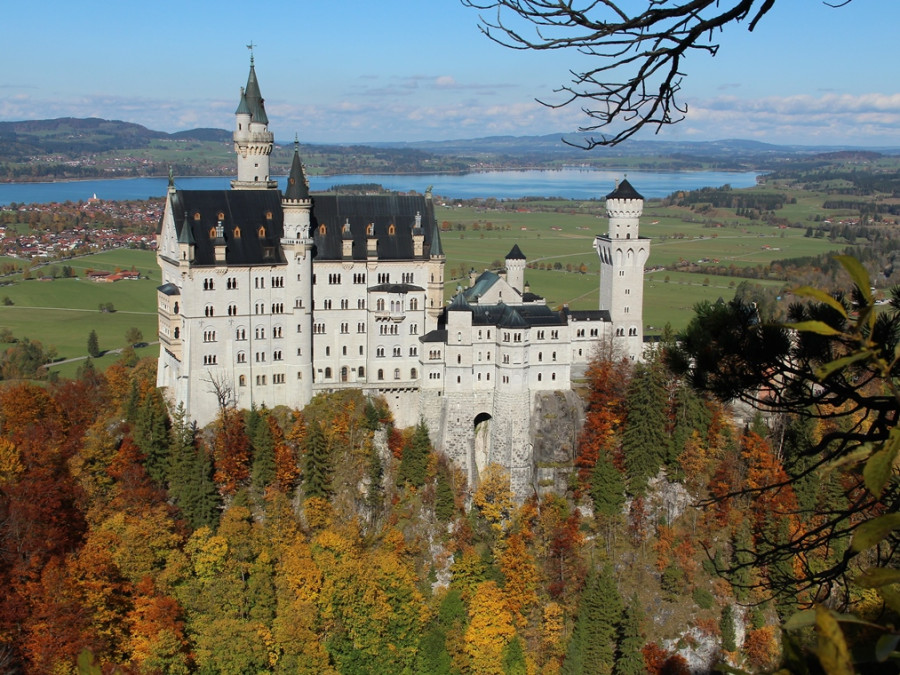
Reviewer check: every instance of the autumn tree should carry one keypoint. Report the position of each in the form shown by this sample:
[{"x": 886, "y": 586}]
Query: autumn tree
[{"x": 490, "y": 630}]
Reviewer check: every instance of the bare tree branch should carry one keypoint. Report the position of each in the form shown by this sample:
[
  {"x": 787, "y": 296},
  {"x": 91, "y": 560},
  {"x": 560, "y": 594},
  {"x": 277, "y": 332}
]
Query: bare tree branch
[{"x": 640, "y": 51}]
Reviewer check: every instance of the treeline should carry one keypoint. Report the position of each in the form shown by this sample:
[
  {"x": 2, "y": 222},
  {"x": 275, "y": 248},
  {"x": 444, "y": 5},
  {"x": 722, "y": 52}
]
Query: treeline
[
  {"x": 870, "y": 209},
  {"x": 725, "y": 197}
]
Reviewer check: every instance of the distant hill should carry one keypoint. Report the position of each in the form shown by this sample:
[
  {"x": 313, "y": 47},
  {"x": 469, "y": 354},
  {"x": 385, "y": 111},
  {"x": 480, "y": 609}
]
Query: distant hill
[{"x": 71, "y": 137}]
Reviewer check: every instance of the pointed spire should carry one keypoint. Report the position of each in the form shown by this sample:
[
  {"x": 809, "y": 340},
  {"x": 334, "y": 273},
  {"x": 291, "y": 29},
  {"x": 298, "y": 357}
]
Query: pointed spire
[
  {"x": 436, "y": 249},
  {"x": 253, "y": 96},
  {"x": 186, "y": 236},
  {"x": 297, "y": 187},
  {"x": 243, "y": 108}
]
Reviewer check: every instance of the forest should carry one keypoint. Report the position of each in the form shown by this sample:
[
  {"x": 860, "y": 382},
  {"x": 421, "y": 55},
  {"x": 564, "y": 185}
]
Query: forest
[{"x": 326, "y": 540}]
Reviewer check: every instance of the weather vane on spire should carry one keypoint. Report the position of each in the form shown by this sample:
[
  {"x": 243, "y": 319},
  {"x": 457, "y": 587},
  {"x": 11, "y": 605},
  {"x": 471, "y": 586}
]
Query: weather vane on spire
[{"x": 250, "y": 47}]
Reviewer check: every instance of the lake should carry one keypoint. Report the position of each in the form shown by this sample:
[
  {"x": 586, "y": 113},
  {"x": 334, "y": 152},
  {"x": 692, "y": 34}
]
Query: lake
[{"x": 572, "y": 183}]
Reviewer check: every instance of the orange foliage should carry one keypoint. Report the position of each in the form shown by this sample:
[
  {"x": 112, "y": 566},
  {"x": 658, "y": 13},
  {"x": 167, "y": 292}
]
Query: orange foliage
[
  {"x": 654, "y": 658},
  {"x": 287, "y": 470},
  {"x": 490, "y": 630},
  {"x": 521, "y": 576},
  {"x": 761, "y": 647},
  {"x": 604, "y": 416},
  {"x": 231, "y": 451},
  {"x": 665, "y": 540}
]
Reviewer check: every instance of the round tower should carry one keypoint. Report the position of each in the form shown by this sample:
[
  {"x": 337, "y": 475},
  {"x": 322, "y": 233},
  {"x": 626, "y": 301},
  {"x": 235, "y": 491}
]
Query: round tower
[
  {"x": 515, "y": 269},
  {"x": 253, "y": 142},
  {"x": 623, "y": 254},
  {"x": 297, "y": 243}
]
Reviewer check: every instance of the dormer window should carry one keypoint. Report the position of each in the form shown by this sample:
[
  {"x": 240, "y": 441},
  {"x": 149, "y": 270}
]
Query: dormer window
[
  {"x": 212, "y": 233},
  {"x": 221, "y": 216},
  {"x": 370, "y": 230},
  {"x": 262, "y": 232},
  {"x": 196, "y": 215},
  {"x": 268, "y": 215},
  {"x": 237, "y": 232},
  {"x": 322, "y": 229},
  {"x": 391, "y": 229}
]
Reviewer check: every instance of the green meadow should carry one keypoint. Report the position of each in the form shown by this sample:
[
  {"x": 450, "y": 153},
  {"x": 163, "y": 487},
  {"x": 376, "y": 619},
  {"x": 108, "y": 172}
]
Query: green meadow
[{"x": 61, "y": 313}]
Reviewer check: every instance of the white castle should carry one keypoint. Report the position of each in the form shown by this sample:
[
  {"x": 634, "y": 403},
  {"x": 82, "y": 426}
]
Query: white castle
[{"x": 268, "y": 299}]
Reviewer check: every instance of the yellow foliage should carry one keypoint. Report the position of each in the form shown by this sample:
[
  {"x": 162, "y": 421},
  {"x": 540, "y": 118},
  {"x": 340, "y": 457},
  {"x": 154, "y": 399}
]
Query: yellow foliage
[
  {"x": 10, "y": 464},
  {"x": 207, "y": 553},
  {"x": 318, "y": 512},
  {"x": 493, "y": 498},
  {"x": 490, "y": 629}
]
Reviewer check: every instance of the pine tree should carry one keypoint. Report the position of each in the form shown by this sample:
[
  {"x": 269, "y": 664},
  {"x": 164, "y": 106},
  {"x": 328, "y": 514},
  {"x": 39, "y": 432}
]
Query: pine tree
[
  {"x": 726, "y": 627},
  {"x": 93, "y": 345},
  {"x": 444, "y": 501},
  {"x": 317, "y": 467},
  {"x": 644, "y": 441},
  {"x": 190, "y": 476},
  {"x": 151, "y": 434},
  {"x": 629, "y": 660},
  {"x": 514, "y": 658},
  {"x": 741, "y": 560},
  {"x": 607, "y": 487},
  {"x": 414, "y": 463},
  {"x": 262, "y": 471},
  {"x": 592, "y": 647}
]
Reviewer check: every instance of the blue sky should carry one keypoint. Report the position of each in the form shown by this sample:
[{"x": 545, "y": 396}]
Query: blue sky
[{"x": 395, "y": 70}]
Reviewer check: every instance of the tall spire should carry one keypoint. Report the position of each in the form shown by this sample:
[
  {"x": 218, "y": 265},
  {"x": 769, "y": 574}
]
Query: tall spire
[
  {"x": 254, "y": 98},
  {"x": 297, "y": 187}
]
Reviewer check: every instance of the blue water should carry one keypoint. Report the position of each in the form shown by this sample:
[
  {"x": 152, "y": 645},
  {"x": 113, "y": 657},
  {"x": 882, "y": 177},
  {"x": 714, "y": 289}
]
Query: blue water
[{"x": 566, "y": 183}]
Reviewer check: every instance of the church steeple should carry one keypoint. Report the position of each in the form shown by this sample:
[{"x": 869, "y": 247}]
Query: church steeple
[{"x": 253, "y": 142}]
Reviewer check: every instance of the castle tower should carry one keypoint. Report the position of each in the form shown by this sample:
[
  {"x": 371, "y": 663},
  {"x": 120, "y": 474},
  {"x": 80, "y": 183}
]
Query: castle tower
[
  {"x": 435, "y": 270},
  {"x": 253, "y": 141},
  {"x": 297, "y": 244},
  {"x": 515, "y": 269},
  {"x": 623, "y": 254}
]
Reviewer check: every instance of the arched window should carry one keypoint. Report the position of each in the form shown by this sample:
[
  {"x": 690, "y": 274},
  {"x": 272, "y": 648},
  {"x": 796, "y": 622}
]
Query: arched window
[
  {"x": 391, "y": 229},
  {"x": 361, "y": 372},
  {"x": 237, "y": 232},
  {"x": 177, "y": 333},
  {"x": 413, "y": 374},
  {"x": 176, "y": 308},
  {"x": 380, "y": 374},
  {"x": 262, "y": 232},
  {"x": 322, "y": 229},
  {"x": 344, "y": 374},
  {"x": 396, "y": 373},
  {"x": 242, "y": 381},
  {"x": 328, "y": 373}
]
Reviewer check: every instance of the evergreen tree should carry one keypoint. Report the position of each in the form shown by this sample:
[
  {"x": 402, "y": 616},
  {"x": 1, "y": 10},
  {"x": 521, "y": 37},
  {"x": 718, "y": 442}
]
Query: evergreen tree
[
  {"x": 629, "y": 660},
  {"x": 514, "y": 658},
  {"x": 444, "y": 500},
  {"x": 644, "y": 441},
  {"x": 416, "y": 453},
  {"x": 741, "y": 561},
  {"x": 190, "y": 476},
  {"x": 689, "y": 414},
  {"x": 317, "y": 467},
  {"x": 262, "y": 471},
  {"x": 607, "y": 487},
  {"x": 93, "y": 345},
  {"x": 592, "y": 647},
  {"x": 151, "y": 435},
  {"x": 726, "y": 627}
]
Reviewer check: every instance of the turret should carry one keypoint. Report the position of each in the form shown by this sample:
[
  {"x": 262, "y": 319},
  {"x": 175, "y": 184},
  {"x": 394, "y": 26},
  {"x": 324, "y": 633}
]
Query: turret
[
  {"x": 515, "y": 268},
  {"x": 296, "y": 202},
  {"x": 418, "y": 237},
  {"x": 186, "y": 243},
  {"x": 253, "y": 142},
  {"x": 623, "y": 208}
]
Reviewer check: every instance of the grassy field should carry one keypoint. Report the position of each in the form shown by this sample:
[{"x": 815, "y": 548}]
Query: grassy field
[{"x": 62, "y": 312}]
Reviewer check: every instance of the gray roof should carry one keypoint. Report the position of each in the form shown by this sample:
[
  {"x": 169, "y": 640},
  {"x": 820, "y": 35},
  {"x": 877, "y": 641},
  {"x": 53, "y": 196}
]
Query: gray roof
[
  {"x": 624, "y": 191},
  {"x": 296, "y": 186},
  {"x": 515, "y": 253},
  {"x": 252, "y": 224},
  {"x": 169, "y": 289},
  {"x": 381, "y": 211},
  {"x": 254, "y": 98}
]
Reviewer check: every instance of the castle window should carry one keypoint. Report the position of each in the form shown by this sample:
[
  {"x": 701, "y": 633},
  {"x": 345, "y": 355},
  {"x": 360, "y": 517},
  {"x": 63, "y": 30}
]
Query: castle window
[
  {"x": 197, "y": 217},
  {"x": 268, "y": 215},
  {"x": 326, "y": 304},
  {"x": 177, "y": 332},
  {"x": 360, "y": 328},
  {"x": 459, "y": 358},
  {"x": 242, "y": 357},
  {"x": 345, "y": 303},
  {"x": 360, "y": 304},
  {"x": 396, "y": 373},
  {"x": 554, "y": 334},
  {"x": 540, "y": 356},
  {"x": 488, "y": 377},
  {"x": 360, "y": 372},
  {"x": 379, "y": 305},
  {"x": 276, "y": 332},
  {"x": 278, "y": 378},
  {"x": 322, "y": 229},
  {"x": 360, "y": 350},
  {"x": 593, "y": 332},
  {"x": 370, "y": 230},
  {"x": 540, "y": 335},
  {"x": 237, "y": 232},
  {"x": 327, "y": 351},
  {"x": 539, "y": 377},
  {"x": 553, "y": 376},
  {"x": 276, "y": 355},
  {"x": 240, "y": 334},
  {"x": 209, "y": 311},
  {"x": 379, "y": 352},
  {"x": 391, "y": 229},
  {"x": 208, "y": 285},
  {"x": 345, "y": 327},
  {"x": 220, "y": 216},
  {"x": 413, "y": 351},
  {"x": 413, "y": 304},
  {"x": 344, "y": 374},
  {"x": 242, "y": 381},
  {"x": 554, "y": 356},
  {"x": 380, "y": 374},
  {"x": 176, "y": 308},
  {"x": 397, "y": 351},
  {"x": 260, "y": 333}
]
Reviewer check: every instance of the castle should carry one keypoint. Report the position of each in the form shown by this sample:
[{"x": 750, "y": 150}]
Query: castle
[{"x": 270, "y": 298}]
